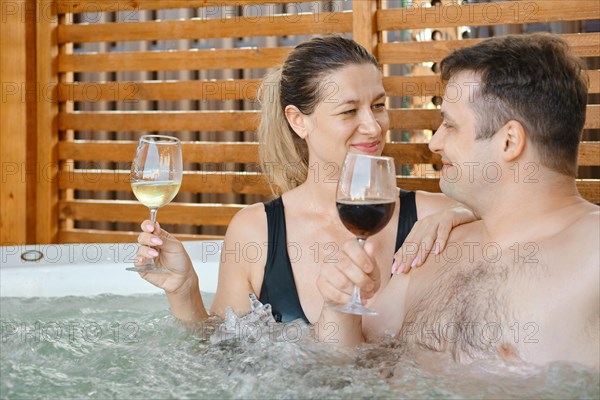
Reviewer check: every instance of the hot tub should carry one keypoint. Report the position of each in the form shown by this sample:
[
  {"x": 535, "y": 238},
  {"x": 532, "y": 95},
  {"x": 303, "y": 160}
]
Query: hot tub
[
  {"x": 75, "y": 324},
  {"x": 90, "y": 269}
]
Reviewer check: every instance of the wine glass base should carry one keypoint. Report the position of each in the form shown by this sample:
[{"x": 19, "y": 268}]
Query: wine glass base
[
  {"x": 147, "y": 268},
  {"x": 355, "y": 309}
]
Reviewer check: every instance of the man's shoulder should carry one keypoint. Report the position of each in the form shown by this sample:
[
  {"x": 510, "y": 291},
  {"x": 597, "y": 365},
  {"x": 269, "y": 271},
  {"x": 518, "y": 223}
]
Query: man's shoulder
[
  {"x": 586, "y": 224},
  {"x": 472, "y": 230},
  {"x": 580, "y": 241}
]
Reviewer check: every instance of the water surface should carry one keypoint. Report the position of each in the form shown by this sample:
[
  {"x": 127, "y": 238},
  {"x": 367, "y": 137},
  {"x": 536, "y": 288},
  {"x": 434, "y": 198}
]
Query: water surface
[{"x": 126, "y": 347}]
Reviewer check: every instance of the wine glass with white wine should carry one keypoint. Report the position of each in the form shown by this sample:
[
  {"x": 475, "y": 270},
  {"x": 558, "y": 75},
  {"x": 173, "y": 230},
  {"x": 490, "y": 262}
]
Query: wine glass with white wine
[
  {"x": 366, "y": 198},
  {"x": 156, "y": 174}
]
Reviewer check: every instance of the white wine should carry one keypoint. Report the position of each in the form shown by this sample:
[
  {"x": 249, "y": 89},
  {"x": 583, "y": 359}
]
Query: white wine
[{"x": 155, "y": 194}]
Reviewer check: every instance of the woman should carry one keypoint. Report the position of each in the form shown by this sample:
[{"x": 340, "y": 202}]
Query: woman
[{"x": 326, "y": 100}]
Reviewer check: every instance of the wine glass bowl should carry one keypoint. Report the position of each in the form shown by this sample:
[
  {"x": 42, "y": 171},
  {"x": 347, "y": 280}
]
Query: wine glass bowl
[
  {"x": 156, "y": 173},
  {"x": 366, "y": 198}
]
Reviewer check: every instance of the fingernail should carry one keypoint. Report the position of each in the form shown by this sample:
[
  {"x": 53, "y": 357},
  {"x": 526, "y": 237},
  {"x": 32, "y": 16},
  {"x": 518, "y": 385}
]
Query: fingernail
[
  {"x": 415, "y": 262},
  {"x": 153, "y": 252},
  {"x": 138, "y": 260},
  {"x": 402, "y": 267},
  {"x": 395, "y": 266},
  {"x": 149, "y": 227},
  {"x": 156, "y": 241}
]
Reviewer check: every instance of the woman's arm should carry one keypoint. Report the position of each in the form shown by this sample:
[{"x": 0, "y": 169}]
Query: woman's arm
[
  {"x": 243, "y": 257},
  {"x": 437, "y": 215},
  {"x": 336, "y": 282},
  {"x": 178, "y": 278},
  {"x": 243, "y": 260}
]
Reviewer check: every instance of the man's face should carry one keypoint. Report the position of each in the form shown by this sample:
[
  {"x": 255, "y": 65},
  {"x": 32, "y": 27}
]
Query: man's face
[{"x": 467, "y": 161}]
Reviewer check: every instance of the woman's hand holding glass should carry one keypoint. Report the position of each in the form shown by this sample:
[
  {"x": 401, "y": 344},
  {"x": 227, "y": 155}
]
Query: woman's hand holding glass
[{"x": 177, "y": 273}]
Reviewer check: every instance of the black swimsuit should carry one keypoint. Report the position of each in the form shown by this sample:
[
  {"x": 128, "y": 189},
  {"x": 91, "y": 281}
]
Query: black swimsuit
[{"x": 278, "y": 287}]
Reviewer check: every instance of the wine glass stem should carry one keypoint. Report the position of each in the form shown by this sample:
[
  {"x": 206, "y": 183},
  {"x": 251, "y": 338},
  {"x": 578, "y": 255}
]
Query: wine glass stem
[
  {"x": 356, "y": 292},
  {"x": 153, "y": 210},
  {"x": 153, "y": 214}
]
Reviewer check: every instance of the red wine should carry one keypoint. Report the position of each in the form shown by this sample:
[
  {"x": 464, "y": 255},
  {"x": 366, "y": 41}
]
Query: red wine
[{"x": 365, "y": 217}]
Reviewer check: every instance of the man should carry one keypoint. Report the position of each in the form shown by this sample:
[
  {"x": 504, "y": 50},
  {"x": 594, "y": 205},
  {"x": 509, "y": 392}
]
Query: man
[{"x": 523, "y": 282}]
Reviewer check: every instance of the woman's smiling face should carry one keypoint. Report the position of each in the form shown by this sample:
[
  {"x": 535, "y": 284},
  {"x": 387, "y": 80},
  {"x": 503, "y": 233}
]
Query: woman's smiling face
[{"x": 350, "y": 117}]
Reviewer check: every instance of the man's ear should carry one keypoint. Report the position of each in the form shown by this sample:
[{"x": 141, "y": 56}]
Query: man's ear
[
  {"x": 514, "y": 139},
  {"x": 297, "y": 120}
]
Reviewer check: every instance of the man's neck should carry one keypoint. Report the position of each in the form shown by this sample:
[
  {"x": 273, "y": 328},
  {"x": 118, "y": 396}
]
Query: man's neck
[{"x": 525, "y": 210}]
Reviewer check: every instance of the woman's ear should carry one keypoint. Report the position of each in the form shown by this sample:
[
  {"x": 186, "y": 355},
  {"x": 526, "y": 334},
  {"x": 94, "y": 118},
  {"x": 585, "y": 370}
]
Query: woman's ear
[
  {"x": 297, "y": 120},
  {"x": 514, "y": 138}
]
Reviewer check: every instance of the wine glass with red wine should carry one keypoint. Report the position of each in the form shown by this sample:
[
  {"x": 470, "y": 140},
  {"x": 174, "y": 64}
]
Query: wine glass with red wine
[{"x": 366, "y": 196}]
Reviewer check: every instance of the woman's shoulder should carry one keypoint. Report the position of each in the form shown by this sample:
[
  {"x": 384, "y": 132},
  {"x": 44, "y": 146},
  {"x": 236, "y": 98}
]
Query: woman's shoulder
[{"x": 249, "y": 222}]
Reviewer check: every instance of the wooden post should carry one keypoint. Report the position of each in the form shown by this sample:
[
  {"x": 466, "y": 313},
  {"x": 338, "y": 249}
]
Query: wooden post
[
  {"x": 47, "y": 128},
  {"x": 13, "y": 123},
  {"x": 364, "y": 24},
  {"x": 66, "y": 135}
]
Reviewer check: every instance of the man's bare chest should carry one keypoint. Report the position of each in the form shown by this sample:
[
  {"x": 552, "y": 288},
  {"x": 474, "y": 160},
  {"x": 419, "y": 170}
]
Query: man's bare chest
[{"x": 470, "y": 310}]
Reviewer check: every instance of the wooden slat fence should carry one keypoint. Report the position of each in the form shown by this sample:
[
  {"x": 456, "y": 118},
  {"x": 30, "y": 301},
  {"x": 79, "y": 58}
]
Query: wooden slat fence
[{"x": 130, "y": 68}]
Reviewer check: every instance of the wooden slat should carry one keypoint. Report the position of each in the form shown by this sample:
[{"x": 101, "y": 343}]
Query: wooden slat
[
  {"x": 431, "y": 85},
  {"x": 419, "y": 153},
  {"x": 411, "y": 118},
  {"x": 247, "y": 153},
  {"x": 497, "y": 13},
  {"x": 413, "y": 85},
  {"x": 173, "y": 60},
  {"x": 193, "y": 182},
  {"x": 47, "y": 132},
  {"x": 589, "y": 154},
  {"x": 102, "y": 236},
  {"x": 594, "y": 77},
  {"x": 270, "y": 25},
  {"x": 213, "y": 183},
  {"x": 239, "y": 89},
  {"x": 95, "y": 6},
  {"x": 198, "y": 152},
  {"x": 240, "y": 120},
  {"x": 582, "y": 45},
  {"x": 132, "y": 211},
  {"x": 592, "y": 117},
  {"x": 216, "y": 152},
  {"x": 418, "y": 183},
  {"x": 589, "y": 189},
  {"x": 246, "y": 121},
  {"x": 414, "y": 118},
  {"x": 219, "y": 121},
  {"x": 411, "y": 153}
]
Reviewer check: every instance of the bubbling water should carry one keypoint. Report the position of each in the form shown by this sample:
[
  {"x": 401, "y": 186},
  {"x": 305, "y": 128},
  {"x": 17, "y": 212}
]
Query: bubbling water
[
  {"x": 131, "y": 347},
  {"x": 258, "y": 325}
]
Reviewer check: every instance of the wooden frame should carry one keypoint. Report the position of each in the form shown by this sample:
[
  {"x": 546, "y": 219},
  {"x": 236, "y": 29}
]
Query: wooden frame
[{"x": 226, "y": 163}]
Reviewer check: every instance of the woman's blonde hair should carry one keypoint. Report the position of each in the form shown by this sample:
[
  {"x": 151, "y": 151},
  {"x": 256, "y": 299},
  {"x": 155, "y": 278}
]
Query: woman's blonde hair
[{"x": 283, "y": 154}]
